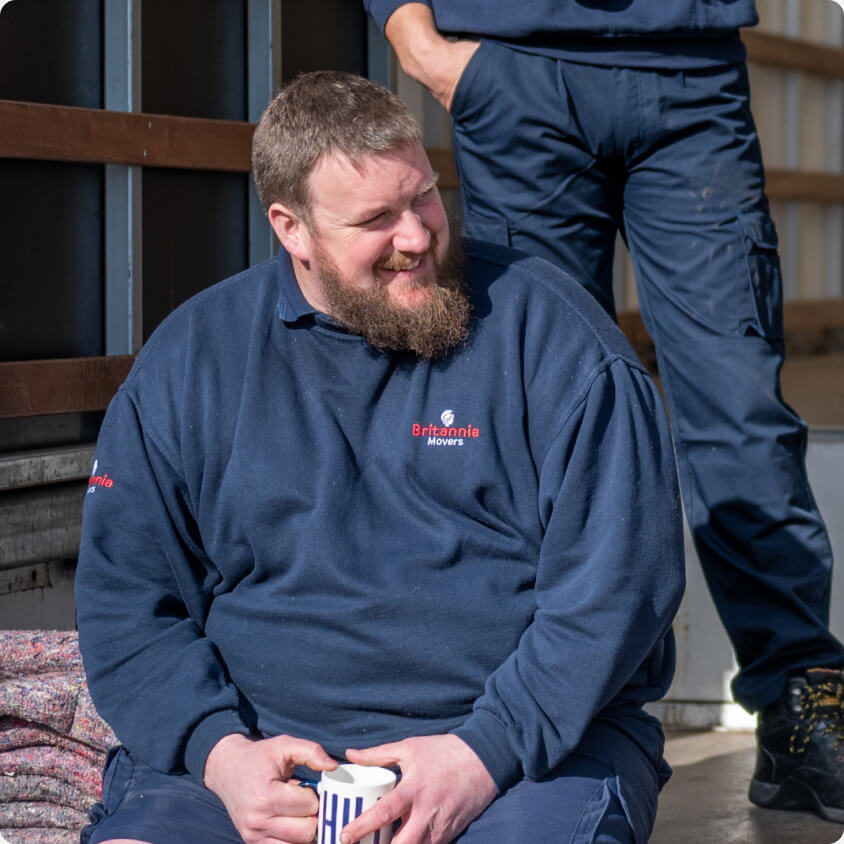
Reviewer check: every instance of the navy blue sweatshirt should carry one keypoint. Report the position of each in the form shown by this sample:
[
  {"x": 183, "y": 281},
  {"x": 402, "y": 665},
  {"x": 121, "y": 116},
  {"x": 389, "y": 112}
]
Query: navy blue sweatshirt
[
  {"x": 639, "y": 33},
  {"x": 288, "y": 531}
]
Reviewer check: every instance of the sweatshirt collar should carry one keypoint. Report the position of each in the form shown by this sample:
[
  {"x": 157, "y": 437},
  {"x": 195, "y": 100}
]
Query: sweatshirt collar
[{"x": 292, "y": 305}]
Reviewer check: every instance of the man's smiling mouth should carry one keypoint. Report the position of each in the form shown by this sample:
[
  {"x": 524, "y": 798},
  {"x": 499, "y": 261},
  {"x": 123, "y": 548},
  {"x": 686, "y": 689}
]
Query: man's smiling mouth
[{"x": 402, "y": 264}]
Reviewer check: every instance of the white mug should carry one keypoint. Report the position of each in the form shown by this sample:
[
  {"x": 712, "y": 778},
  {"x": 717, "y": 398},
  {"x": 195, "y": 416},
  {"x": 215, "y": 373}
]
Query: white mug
[{"x": 345, "y": 793}]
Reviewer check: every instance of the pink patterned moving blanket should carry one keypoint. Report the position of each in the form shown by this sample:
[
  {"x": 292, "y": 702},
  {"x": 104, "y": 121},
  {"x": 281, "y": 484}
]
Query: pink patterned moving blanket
[
  {"x": 52, "y": 741},
  {"x": 40, "y": 835}
]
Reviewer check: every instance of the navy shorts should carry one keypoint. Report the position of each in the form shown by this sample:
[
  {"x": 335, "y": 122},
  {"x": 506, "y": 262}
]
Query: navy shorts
[
  {"x": 140, "y": 802},
  {"x": 604, "y": 793}
]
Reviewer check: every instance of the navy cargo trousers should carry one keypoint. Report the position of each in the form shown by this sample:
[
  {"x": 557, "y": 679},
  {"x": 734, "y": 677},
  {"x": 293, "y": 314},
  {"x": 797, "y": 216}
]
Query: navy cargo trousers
[{"x": 554, "y": 158}]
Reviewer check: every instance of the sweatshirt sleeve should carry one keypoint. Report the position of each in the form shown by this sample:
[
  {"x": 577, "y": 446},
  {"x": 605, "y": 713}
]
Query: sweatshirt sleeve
[
  {"x": 609, "y": 580},
  {"x": 380, "y": 10},
  {"x": 143, "y": 585}
]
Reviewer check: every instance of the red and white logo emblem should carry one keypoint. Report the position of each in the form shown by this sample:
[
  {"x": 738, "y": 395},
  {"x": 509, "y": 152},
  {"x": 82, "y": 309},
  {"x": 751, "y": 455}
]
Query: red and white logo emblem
[
  {"x": 447, "y": 434},
  {"x": 96, "y": 480}
]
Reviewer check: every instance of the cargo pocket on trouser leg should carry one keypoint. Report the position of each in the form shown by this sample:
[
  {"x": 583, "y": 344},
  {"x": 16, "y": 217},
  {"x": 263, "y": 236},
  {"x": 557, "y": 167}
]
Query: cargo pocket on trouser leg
[
  {"x": 117, "y": 774},
  {"x": 605, "y": 819},
  {"x": 762, "y": 314}
]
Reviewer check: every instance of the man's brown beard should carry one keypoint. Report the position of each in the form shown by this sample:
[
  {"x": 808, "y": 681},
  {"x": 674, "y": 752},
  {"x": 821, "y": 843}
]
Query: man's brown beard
[{"x": 430, "y": 329}]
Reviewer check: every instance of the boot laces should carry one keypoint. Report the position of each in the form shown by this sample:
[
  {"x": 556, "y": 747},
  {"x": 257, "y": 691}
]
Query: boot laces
[{"x": 819, "y": 703}]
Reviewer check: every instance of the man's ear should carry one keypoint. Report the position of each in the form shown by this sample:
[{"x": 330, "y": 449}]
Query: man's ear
[{"x": 291, "y": 230}]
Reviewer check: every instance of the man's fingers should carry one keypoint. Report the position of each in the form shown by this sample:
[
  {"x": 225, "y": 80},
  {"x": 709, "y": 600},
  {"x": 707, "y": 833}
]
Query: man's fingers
[
  {"x": 392, "y": 806},
  {"x": 292, "y": 800},
  {"x": 290, "y": 830},
  {"x": 289, "y": 752},
  {"x": 413, "y": 832},
  {"x": 382, "y": 754}
]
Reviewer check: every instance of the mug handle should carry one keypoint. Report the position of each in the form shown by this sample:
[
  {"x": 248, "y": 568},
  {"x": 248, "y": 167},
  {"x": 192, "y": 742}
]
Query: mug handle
[{"x": 314, "y": 784}]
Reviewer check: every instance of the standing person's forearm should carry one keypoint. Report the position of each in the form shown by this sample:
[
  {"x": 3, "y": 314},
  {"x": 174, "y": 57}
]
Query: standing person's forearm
[{"x": 424, "y": 54}]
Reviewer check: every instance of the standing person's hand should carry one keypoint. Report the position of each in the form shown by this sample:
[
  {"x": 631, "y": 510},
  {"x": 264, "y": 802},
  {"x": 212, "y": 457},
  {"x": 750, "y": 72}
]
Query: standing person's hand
[
  {"x": 443, "y": 788},
  {"x": 424, "y": 54},
  {"x": 253, "y": 779}
]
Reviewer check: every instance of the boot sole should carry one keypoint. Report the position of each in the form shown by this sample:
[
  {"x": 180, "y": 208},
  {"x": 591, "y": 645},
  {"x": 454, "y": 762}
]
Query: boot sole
[{"x": 792, "y": 794}]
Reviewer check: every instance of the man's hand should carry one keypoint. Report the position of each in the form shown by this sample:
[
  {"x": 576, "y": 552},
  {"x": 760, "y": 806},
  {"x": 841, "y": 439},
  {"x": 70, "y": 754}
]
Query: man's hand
[
  {"x": 443, "y": 788},
  {"x": 424, "y": 54},
  {"x": 252, "y": 780}
]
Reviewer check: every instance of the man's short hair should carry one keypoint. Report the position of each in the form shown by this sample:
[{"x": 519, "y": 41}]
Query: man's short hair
[{"x": 323, "y": 113}]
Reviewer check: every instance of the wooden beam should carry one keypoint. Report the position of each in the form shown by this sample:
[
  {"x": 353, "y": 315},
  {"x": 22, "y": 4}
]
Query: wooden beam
[
  {"x": 804, "y": 186},
  {"x": 68, "y": 385},
  {"x": 442, "y": 161},
  {"x": 779, "y": 51},
  {"x": 814, "y": 387},
  {"x": 814, "y": 328},
  {"x": 822, "y": 315},
  {"x": 65, "y": 133}
]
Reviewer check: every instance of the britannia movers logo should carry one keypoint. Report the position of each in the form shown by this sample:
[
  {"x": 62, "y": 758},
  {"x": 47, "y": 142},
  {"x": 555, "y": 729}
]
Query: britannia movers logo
[
  {"x": 447, "y": 434},
  {"x": 98, "y": 480}
]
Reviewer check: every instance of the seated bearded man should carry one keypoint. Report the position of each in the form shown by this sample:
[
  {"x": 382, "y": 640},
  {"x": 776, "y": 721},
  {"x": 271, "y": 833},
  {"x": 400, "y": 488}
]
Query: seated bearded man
[{"x": 388, "y": 498}]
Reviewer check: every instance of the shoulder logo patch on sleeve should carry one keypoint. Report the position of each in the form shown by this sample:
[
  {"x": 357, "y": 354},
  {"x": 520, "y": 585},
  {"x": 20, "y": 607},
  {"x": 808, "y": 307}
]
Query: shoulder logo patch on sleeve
[{"x": 96, "y": 480}]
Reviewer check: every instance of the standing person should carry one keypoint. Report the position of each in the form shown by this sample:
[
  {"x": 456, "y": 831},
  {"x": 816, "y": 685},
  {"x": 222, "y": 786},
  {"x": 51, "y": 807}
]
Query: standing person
[
  {"x": 362, "y": 495},
  {"x": 574, "y": 120}
]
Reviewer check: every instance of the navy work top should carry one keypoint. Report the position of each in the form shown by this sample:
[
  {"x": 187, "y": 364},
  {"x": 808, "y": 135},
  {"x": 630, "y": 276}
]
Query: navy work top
[
  {"x": 306, "y": 535},
  {"x": 665, "y": 34}
]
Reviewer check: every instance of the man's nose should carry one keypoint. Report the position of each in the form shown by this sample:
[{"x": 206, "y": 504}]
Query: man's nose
[{"x": 411, "y": 234}]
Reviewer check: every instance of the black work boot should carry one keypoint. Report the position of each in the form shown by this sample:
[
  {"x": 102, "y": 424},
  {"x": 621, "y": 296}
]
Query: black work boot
[{"x": 800, "y": 757}]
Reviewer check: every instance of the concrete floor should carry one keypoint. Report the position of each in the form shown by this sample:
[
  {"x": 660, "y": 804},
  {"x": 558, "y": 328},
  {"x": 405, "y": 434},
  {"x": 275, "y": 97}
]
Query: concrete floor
[{"x": 705, "y": 802}]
